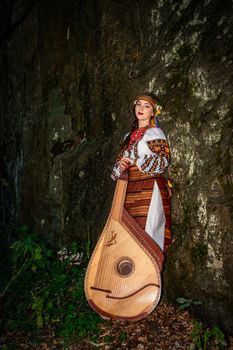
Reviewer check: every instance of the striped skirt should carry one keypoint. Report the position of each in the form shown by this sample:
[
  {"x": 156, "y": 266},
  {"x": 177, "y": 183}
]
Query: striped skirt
[{"x": 138, "y": 197}]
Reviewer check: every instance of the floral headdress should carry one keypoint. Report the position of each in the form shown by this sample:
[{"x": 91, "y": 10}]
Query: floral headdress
[{"x": 156, "y": 107}]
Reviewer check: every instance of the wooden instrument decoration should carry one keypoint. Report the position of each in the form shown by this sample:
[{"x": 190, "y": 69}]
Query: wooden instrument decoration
[{"x": 123, "y": 280}]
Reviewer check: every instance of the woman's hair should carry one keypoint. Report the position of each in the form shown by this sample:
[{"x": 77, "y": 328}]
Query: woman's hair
[{"x": 135, "y": 122}]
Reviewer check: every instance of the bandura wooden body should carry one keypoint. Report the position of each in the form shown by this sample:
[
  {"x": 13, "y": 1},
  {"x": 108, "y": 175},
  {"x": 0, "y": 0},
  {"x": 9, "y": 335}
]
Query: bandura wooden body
[{"x": 123, "y": 281}]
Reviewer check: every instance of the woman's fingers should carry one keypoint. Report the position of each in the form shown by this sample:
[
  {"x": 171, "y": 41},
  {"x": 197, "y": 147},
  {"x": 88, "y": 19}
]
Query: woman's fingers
[
  {"x": 127, "y": 160},
  {"x": 124, "y": 166},
  {"x": 124, "y": 163}
]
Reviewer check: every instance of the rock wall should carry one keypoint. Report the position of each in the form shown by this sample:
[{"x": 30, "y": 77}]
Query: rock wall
[{"x": 69, "y": 73}]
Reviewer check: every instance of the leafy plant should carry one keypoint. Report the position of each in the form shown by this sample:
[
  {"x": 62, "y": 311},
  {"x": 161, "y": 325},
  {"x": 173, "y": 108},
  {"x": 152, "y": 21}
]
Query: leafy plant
[
  {"x": 46, "y": 289},
  {"x": 186, "y": 303},
  {"x": 202, "y": 337},
  {"x": 122, "y": 336}
]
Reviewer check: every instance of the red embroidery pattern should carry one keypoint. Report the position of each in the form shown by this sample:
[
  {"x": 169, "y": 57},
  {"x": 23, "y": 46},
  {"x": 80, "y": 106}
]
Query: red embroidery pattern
[{"x": 136, "y": 136}]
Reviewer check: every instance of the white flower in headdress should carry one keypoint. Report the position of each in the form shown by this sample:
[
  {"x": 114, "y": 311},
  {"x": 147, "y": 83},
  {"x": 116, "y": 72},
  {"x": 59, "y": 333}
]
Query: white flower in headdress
[{"x": 158, "y": 109}]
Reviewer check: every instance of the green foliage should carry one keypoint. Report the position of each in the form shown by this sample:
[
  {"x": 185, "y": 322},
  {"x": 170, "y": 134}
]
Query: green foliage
[
  {"x": 186, "y": 303},
  {"x": 108, "y": 338},
  {"x": 203, "y": 338},
  {"x": 122, "y": 336},
  {"x": 46, "y": 290}
]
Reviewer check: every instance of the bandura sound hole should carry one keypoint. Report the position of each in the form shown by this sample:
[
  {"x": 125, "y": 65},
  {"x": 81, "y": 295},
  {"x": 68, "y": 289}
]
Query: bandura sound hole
[{"x": 125, "y": 267}]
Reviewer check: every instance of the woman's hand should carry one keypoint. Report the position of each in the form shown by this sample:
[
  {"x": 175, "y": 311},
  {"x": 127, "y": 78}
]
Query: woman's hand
[{"x": 125, "y": 163}]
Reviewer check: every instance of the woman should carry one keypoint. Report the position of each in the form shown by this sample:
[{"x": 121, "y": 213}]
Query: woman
[{"x": 145, "y": 155}]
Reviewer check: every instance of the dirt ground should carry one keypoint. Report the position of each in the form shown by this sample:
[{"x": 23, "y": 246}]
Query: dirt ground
[{"x": 167, "y": 328}]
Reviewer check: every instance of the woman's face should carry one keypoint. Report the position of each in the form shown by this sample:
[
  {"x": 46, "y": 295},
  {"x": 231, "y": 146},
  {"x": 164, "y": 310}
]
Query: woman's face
[{"x": 143, "y": 111}]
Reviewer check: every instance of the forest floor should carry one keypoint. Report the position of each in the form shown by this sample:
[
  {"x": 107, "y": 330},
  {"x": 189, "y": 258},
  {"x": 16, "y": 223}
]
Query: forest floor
[{"x": 167, "y": 328}]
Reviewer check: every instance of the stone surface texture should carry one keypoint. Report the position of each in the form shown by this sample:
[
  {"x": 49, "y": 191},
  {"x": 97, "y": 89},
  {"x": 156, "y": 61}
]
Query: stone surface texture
[{"x": 70, "y": 71}]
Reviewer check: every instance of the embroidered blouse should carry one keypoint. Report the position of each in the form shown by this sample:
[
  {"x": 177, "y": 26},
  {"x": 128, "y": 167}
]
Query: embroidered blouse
[{"x": 150, "y": 153}]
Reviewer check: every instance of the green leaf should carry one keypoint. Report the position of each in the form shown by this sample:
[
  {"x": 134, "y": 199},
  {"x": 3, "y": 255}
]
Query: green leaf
[
  {"x": 34, "y": 268},
  {"x": 122, "y": 336},
  {"x": 181, "y": 300},
  {"x": 38, "y": 253}
]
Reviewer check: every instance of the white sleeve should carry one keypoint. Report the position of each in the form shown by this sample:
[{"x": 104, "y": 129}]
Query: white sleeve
[{"x": 155, "y": 153}]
